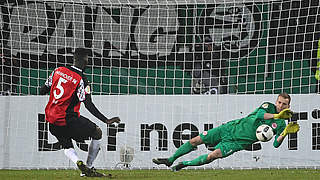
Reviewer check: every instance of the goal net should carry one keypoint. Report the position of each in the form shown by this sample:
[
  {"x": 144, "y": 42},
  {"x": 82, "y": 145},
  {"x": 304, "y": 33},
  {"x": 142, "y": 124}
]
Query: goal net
[
  {"x": 165, "y": 47},
  {"x": 169, "y": 47}
]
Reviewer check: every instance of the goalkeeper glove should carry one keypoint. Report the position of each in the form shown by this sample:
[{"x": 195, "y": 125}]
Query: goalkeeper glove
[
  {"x": 290, "y": 128},
  {"x": 284, "y": 114}
]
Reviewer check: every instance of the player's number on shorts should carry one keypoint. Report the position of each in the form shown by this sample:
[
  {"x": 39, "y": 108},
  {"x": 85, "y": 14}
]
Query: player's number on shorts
[{"x": 59, "y": 86}]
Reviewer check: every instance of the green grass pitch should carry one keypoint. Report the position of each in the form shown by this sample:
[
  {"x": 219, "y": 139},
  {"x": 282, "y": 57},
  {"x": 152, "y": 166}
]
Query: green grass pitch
[{"x": 255, "y": 174}]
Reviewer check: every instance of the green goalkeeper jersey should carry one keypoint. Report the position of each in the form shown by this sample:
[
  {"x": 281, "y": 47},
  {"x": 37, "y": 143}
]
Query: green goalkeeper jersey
[{"x": 244, "y": 129}]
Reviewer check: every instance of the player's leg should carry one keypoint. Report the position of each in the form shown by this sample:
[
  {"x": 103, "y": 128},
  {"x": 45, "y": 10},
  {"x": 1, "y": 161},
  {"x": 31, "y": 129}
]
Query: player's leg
[
  {"x": 207, "y": 137},
  {"x": 182, "y": 150},
  {"x": 63, "y": 136},
  {"x": 200, "y": 160},
  {"x": 94, "y": 146},
  {"x": 61, "y": 133},
  {"x": 222, "y": 150},
  {"x": 186, "y": 148},
  {"x": 82, "y": 130},
  {"x": 211, "y": 137}
]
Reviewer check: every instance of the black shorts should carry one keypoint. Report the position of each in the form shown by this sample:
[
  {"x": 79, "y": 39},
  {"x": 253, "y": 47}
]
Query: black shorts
[{"x": 77, "y": 128}]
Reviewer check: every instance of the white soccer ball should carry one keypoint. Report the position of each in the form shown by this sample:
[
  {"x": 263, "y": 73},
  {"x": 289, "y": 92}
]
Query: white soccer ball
[{"x": 264, "y": 133}]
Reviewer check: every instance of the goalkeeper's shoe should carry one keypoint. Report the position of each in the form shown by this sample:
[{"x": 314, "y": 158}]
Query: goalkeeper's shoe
[
  {"x": 164, "y": 161},
  {"x": 178, "y": 167}
]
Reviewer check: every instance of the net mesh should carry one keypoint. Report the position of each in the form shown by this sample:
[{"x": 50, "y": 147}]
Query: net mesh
[{"x": 170, "y": 47}]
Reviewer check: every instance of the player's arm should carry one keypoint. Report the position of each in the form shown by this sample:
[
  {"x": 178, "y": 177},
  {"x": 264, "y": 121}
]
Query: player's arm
[
  {"x": 284, "y": 114},
  {"x": 264, "y": 113},
  {"x": 94, "y": 111},
  {"x": 261, "y": 114},
  {"x": 289, "y": 129},
  {"x": 278, "y": 138},
  {"x": 45, "y": 89},
  {"x": 278, "y": 141},
  {"x": 84, "y": 95}
]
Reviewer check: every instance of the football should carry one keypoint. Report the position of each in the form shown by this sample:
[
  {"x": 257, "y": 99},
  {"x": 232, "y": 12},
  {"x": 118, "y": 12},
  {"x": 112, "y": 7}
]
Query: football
[{"x": 264, "y": 133}]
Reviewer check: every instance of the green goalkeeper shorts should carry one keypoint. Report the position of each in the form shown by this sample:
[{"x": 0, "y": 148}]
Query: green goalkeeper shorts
[{"x": 220, "y": 137}]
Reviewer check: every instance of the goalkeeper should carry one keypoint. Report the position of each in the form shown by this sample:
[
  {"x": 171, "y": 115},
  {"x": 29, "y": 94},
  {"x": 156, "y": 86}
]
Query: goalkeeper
[
  {"x": 237, "y": 135},
  {"x": 69, "y": 87}
]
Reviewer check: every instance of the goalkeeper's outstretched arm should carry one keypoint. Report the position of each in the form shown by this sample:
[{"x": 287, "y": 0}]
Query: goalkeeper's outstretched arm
[
  {"x": 284, "y": 114},
  {"x": 278, "y": 141},
  {"x": 290, "y": 129}
]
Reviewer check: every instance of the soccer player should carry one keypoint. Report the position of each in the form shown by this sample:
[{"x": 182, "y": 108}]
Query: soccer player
[
  {"x": 69, "y": 87},
  {"x": 237, "y": 135}
]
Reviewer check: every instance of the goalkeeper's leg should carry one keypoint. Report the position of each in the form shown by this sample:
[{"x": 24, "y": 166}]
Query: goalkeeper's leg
[
  {"x": 182, "y": 150},
  {"x": 201, "y": 160}
]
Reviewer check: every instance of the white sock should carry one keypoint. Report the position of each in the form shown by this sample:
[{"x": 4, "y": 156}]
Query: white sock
[
  {"x": 93, "y": 152},
  {"x": 72, "y": 155}
]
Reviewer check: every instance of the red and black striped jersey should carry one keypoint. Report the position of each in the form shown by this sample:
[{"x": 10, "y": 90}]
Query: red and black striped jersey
[{"x": 68, "y": 88}]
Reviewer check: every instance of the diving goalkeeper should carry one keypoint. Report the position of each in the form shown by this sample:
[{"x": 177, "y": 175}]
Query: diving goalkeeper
[{"x": 237, "y": 135}]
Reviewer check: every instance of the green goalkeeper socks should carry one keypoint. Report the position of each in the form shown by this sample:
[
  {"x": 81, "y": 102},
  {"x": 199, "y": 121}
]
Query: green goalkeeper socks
[
  {"x": 182, "y": 150},
  {"x": 201, "y": 160}
]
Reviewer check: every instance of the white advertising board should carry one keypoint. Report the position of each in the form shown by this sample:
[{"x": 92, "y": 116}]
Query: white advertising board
[{"x": 151, "y": 126}]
